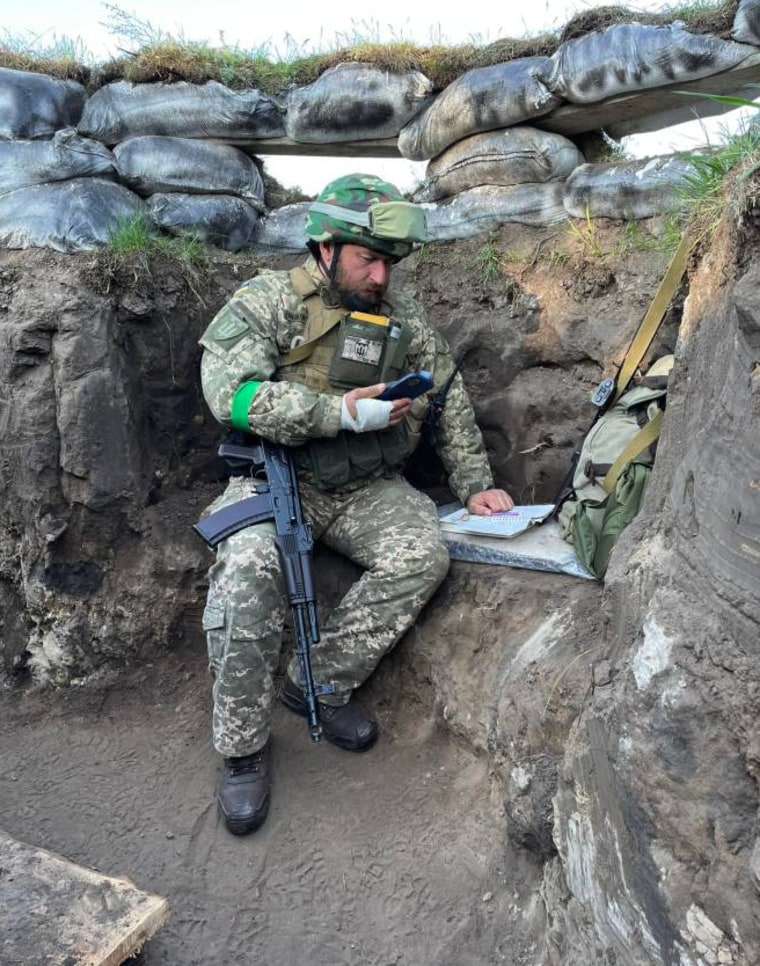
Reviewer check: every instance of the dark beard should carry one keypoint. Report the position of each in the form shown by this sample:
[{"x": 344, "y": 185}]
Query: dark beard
[{"x": 354, "y": 303}]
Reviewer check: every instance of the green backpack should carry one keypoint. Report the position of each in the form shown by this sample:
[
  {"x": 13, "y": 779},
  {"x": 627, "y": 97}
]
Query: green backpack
[{"x": 613, "y": 470}]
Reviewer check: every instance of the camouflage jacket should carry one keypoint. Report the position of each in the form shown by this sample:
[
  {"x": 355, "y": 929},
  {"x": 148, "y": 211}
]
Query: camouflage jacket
[{"x": 248, "y": 338}]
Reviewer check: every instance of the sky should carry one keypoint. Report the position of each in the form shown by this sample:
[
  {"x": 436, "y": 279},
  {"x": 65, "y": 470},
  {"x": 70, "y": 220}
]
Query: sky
[
  {"x": 302, "y": 26},
  {"x": 289, "y": 26}
]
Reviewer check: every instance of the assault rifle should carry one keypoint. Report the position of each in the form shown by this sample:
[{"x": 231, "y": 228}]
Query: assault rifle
[{"x": 277, "y": 498}]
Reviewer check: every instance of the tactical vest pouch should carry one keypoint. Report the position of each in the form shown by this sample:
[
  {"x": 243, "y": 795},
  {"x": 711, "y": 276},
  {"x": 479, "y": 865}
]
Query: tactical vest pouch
[
  {"x": 350, "y": 457},
  {"x": 359, "y": 352},
  {"x": 369, "y": 349},
  {"x": 328, "y": 463}
]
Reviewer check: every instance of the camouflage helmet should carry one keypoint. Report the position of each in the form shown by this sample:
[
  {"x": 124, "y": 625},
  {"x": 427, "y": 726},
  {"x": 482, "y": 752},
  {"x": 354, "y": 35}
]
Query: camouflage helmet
[{"x": 361, "y": 209}]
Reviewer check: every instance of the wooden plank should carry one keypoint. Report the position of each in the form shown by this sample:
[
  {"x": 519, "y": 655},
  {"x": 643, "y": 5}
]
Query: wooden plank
[
  {"x": 650, "y": 110},
  {"x": 56, "y": 913},
  {"x": 377, "y": 148}
]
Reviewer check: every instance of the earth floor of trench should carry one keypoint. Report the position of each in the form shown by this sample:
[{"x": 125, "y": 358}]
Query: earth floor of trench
[{"x": 395, "y": 857}]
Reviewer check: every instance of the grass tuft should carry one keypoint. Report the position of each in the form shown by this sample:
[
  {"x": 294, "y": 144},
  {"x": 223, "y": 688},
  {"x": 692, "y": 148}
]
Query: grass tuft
[
  {"x": 134, "y": 243},
  {"x": 133, "y": 234},
  {"x": 723, "y": 171},
  {"x": 150, "y": 54},
  {"x": 585, "y": 231},
  {"x": 64, "y": 58},
  {"x": 489, "y": 258},
  {"x": 634, "y": 238}
]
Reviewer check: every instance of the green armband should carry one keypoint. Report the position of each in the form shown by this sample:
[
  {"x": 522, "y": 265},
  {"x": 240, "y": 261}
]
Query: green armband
[{"x": 241, "y": 403}]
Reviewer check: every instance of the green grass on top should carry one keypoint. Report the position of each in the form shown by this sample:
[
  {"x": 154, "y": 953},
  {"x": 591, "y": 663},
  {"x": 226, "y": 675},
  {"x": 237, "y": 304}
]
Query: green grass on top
[{"x": 151, "y": 54}]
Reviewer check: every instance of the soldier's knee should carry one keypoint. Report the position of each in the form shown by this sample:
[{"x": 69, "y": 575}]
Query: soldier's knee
[
  {"x": 247, "y": 570},
  {"x": 439, "y": 562},
  {"x": 430, "y": 565}
]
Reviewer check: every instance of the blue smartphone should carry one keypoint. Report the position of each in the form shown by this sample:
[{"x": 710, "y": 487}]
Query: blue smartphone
[{"x": 410, "y": 386}]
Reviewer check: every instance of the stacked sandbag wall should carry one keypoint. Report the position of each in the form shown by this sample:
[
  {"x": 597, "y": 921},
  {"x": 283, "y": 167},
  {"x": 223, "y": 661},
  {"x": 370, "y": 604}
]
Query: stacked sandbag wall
[
  {"x": 72, "y": 167},
  {"x": 127, "y": 151}
]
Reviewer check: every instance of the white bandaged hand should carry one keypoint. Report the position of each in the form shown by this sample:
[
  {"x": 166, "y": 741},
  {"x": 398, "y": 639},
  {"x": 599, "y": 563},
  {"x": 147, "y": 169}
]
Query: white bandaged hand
[{"x": 370, "y": 414}]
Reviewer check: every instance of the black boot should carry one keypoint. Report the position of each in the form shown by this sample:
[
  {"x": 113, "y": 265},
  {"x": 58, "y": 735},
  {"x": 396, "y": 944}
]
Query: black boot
[
  {"x": 244, "y": 791},
  {"x": 348, "y": 726}
]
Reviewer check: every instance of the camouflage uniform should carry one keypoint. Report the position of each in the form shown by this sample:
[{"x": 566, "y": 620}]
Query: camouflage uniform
[{"x": 371, "y": 514}]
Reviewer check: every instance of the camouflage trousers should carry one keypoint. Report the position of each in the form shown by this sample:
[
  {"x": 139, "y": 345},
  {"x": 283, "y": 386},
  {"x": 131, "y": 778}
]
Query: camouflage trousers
[{"x": 388, "y": 528}]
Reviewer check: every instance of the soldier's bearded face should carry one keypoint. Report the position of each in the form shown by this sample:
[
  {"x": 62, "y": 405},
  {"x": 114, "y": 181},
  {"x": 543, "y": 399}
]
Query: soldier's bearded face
[{"x": 362, "y": 277}]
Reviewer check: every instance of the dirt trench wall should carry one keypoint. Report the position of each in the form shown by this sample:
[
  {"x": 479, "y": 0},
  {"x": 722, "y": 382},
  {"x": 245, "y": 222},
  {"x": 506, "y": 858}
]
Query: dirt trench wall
[
  {"x": 620, "y": 720},
  {"x": 108, "y": 451},
  {"x": 102, "y": 430},
  {"x": 656, "y": 810}
]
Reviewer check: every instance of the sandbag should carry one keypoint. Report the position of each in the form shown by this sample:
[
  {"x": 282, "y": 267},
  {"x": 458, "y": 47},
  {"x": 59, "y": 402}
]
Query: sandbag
[
  {"x": 633, "y": 57},
  {"x": 627, "y": 190},
  {"x": 69, "y": 216},
  {"x": 35, "y": 105},
  {"x": 479, "y": 210},
  {"x": 746, "y": 28},
  {"x": 64, "y": 156},
  {"x": 282, "y": 230},
  {"x": 470, "y": 213},
  {"x": 154, "y": 164},
  {"x": 518, "y": 155},
  {"x": 225, "y": 221},
  {"x": 483, "y": 99},
  {"x": 354, "y": 102},
  {"x": 211, "y": 110}
]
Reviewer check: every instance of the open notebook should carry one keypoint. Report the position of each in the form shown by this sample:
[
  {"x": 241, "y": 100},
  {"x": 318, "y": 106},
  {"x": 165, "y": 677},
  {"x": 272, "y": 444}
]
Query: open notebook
[
  {"x": 522, "y": 537},
  {"x": 508, "y": 523}
]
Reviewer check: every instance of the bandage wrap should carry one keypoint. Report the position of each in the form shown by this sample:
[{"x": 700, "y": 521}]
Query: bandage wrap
[{"x": 371, "y": 414}]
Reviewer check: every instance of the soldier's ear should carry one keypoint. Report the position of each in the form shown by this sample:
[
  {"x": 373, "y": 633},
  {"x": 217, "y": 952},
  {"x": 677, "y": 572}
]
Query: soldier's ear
[{"x": 326, "y": 253}]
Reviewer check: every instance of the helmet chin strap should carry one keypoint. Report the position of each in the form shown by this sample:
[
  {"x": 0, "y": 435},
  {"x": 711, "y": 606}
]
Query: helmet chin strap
[{"x": 330, "y": 270}]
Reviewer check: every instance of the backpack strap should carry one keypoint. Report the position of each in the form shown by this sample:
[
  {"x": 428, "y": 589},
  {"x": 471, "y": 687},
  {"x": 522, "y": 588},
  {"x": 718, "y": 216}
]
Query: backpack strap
[
  {"x": 636, "y": 445},
  {"x": 610, "y": 390}
]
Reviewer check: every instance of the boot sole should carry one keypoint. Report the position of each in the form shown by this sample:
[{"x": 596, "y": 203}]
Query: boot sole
[{"x": 299, "y": 707}]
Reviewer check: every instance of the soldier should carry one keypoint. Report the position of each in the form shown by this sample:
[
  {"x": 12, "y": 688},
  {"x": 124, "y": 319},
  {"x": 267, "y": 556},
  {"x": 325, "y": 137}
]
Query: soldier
[{"x": 299, "y": 358}]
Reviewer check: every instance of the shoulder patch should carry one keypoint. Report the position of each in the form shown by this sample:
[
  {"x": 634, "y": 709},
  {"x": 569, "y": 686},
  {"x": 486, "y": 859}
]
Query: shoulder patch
[{"x": 226, "y": 330}]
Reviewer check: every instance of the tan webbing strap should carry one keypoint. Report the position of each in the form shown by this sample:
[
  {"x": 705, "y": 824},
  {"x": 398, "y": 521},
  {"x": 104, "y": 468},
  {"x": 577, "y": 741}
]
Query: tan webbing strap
[
  {"x": 636, "y": 445},
  {"x": 305, "y": 349},
  {"x": 651, "y": 321},
  {"x": 304, "y": 286}
]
